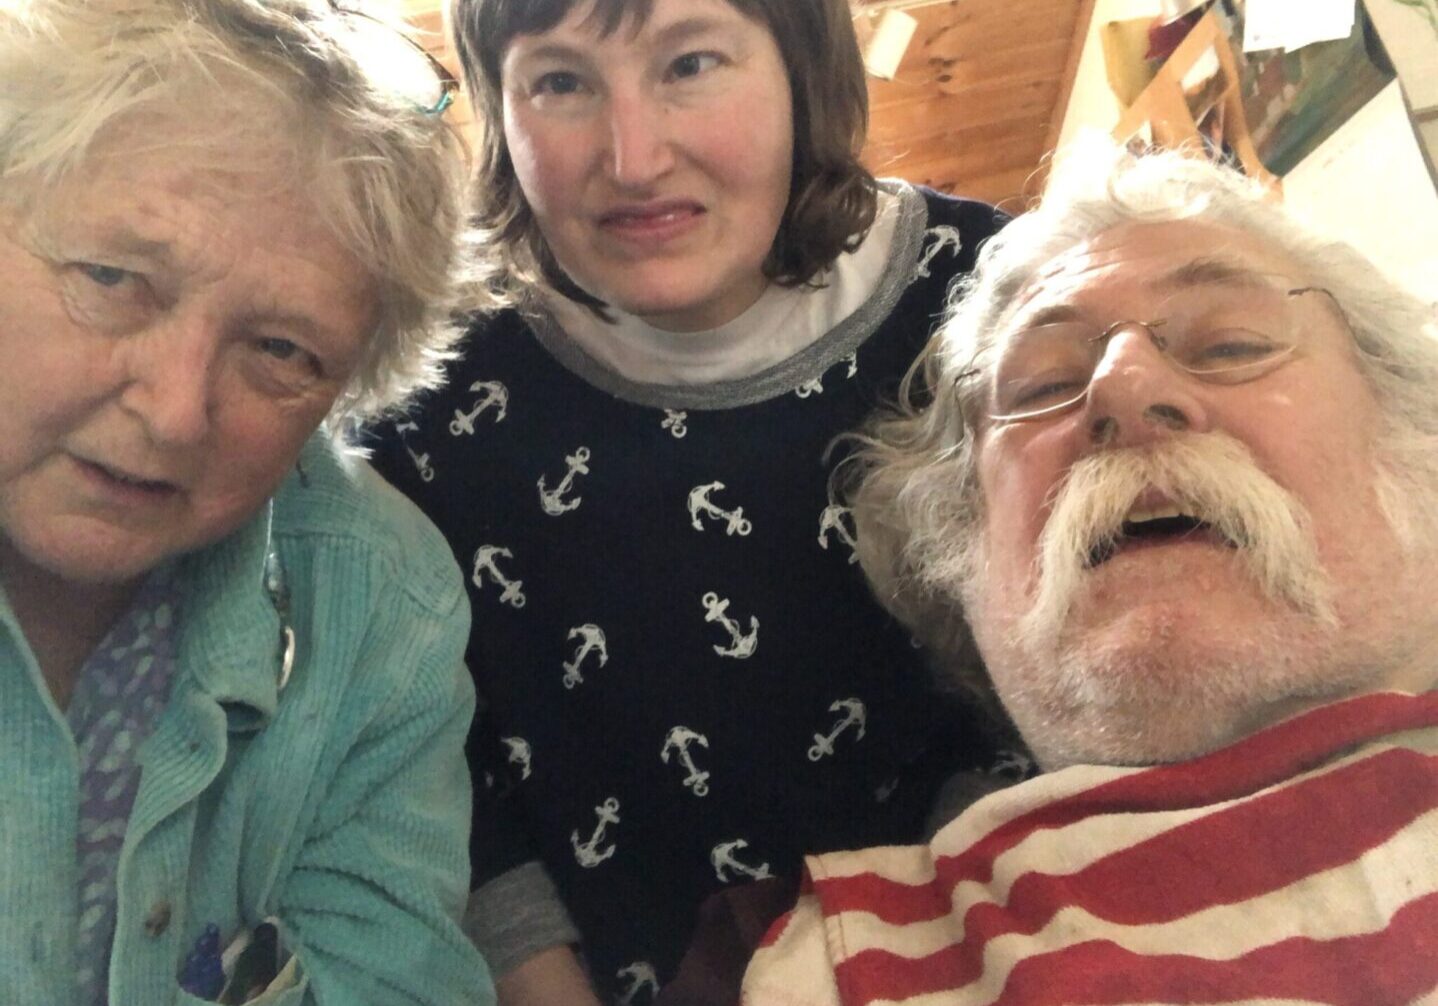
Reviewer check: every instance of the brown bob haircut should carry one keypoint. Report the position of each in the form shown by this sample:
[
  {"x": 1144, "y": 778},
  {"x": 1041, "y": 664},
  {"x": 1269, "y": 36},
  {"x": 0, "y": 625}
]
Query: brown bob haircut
[{"x": 832, "y": 198}]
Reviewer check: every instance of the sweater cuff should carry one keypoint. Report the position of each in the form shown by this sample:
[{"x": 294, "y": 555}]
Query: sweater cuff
[{"x": 515, "y": 916}]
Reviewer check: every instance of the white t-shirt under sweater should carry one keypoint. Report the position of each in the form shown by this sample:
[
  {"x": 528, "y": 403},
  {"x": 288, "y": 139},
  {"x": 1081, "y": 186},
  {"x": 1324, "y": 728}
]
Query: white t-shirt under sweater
[{"x": 783, "y": 321}]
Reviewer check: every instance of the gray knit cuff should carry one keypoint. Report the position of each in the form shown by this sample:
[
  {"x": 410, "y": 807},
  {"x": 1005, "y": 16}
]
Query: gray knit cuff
[{"x": 515, "y": 916}]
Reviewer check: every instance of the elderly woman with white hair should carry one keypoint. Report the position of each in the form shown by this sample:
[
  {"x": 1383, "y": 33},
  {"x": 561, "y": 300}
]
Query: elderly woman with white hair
[{"x": 232, "y": 701}]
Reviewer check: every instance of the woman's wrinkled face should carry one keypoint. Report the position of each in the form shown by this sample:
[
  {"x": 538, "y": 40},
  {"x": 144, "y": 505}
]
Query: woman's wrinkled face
[
  {"x": 657, "y": 159},
  {"x": 170, "y": 335}
]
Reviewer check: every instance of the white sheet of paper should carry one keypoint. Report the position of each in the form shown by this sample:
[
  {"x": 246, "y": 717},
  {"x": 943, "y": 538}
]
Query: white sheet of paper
[
  {"x": 1204, "y": 69},
  {"x": 1292, "y": 24}
]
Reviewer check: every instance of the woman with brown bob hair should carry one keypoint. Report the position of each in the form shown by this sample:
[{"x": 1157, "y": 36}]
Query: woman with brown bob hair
[
  {"x": 832, "y": 200},
  {"x": 690, "y": 287}
]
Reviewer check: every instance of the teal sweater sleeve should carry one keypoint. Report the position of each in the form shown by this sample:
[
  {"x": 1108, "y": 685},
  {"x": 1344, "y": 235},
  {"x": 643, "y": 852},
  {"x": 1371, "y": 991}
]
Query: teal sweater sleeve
[{"x": 379, "y": 881}]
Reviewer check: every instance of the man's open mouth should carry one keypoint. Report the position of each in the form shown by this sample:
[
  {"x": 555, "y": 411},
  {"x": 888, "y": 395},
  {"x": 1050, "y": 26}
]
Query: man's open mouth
[{"x": 1151, "y": 527}]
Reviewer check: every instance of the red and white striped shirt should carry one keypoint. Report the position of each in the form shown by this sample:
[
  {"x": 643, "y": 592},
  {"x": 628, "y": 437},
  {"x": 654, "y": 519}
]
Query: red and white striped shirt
[{"x": 1297, "y": 866}]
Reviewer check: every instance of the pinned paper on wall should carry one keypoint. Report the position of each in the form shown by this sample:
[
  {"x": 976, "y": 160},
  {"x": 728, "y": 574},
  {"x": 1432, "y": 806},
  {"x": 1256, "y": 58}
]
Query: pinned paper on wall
[
  {"x": 1204, "y": 69},
  {"x": 1292, "y": 24}
]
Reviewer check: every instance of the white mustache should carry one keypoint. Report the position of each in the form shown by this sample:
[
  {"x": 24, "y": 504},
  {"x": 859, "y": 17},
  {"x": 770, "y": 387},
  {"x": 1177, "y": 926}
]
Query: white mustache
[{"x": 1210, "y": 476}]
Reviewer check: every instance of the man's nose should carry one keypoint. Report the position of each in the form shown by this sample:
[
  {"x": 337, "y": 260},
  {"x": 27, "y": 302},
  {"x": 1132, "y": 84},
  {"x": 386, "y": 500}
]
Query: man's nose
[
  {"x": 170, "y": 374},
  {"x": 1137, "y": 394},
  {"x": 640, "y": 147}
]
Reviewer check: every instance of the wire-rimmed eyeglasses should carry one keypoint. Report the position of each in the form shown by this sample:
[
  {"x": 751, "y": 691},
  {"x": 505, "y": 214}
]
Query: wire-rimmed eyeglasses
[
  {"x": 1047, "y": 368},
  {"x": 422, "y": 78}
]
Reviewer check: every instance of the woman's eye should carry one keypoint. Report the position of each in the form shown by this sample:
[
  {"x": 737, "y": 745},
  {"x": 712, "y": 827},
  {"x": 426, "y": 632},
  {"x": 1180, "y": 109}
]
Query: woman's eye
[
  {"x": 691, "y": 64},
  {"x": 558, "y": 82},
  {"x": 283, "y": 365},
  {"x": 104, "y": 275},
  {"x": 280, "y": 349},
  {"x": 105, "y": 297}
]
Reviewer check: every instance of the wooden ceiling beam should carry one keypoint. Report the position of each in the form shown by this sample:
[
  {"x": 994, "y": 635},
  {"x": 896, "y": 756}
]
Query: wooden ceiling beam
[
  {"x": 940, "y": 113},
  {"x": 990, "y": 27},
  {"x": 1071, "y": 65},
  {"x": 980, "y": 76},
  {"x": 1005, "y": 189},
  {"x": 1026, "y": 134},
  {"x": 961, "y": 160}
]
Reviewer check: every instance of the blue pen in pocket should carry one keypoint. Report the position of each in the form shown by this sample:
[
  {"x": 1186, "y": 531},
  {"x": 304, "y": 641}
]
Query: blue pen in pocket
[{"x": 202, "y": 974}]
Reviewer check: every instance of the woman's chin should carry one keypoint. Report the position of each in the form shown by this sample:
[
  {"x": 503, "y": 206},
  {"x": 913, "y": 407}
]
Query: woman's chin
[{"x": 89, "y": 556}]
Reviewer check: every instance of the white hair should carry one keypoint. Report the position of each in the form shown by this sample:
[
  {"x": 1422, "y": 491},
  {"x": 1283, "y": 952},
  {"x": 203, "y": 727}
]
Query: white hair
[
  {"x": 912, "y": 481},
  {"x": 272, "y": 79}
]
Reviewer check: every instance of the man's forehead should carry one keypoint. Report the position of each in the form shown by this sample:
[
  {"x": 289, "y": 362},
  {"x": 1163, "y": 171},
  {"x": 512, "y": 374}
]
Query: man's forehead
[{"x": 1162, "y": 257}]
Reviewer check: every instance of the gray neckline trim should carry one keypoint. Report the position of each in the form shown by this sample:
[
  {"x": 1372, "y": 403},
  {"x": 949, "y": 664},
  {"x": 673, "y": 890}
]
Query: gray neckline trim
[{"x": 805, "y": 365}]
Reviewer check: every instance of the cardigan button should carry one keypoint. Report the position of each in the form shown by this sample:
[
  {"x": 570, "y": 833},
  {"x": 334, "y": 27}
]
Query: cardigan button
[{"x": 159, "y": 919}]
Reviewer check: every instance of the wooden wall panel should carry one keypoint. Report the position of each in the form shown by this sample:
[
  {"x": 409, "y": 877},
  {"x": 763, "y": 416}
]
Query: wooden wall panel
[{"x": 972, "y": 104}]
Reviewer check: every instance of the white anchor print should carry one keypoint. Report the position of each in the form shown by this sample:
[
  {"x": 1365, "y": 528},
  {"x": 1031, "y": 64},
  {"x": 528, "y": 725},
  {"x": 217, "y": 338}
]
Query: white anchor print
[
  {"x": 853, "y": 370},
  {"x": 741, "y": 646},
  {"x": 944, "y": 237},
  {"x": 494, "y": 396},
  {"x": 641, "y": 976},
  {"x": 855, "y": 715},
  {"x": 721, "y": 857},
  {"x": 421, "y": 461},
  {"x": 837, "y": 519},
  {"x": 814, "y": 387},
  {"x": 674, "y": 423},
  {"x": 592, "y": 641},
  {"x": 519, "y": 754},
  {"x": 552, "y": 500},
  {"x": 679, "y": 740},
  {"x": 588, "y": 854},
  {"x": 484, "y": 562},
  {"x": 700, "y": 504}
]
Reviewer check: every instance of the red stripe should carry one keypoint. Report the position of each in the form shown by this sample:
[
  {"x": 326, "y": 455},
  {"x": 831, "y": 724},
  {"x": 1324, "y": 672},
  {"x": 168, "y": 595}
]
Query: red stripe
[
  {"x": 1240, "y": 852},
  {"x": 895, "y": 903},
  {"x": 1270, "y": 845},
  {"x": 776, "y": 930},
  {"x": 1257, "y": 762},
  {"x": 1191, "y": 866},
  {"x": 1389, "y": 967},
  {"x": 1285, "y": 749}
]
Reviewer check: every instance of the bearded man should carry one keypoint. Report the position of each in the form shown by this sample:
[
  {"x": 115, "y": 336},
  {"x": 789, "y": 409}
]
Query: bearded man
[{"x": 1173, "y": 462}]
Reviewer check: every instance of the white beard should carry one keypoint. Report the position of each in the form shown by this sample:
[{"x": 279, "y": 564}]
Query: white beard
[{"x": 1158, "y": 683}]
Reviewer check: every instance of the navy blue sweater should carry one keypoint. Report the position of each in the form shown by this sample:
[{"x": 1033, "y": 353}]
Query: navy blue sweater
[{"x": 686, "y": 682}]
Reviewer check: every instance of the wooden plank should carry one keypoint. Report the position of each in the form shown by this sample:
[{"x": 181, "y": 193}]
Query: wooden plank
[
  {"x": 985, "y": 75},
  {"x": 999, "y": 144},
  {"x": 1007, "y": 189},
  {"x": 1022, "y": 148},
  {"x": 1066, "y": 85},
  {"x": 939, "y": 112},
  {"x": 975, "y": 28}
]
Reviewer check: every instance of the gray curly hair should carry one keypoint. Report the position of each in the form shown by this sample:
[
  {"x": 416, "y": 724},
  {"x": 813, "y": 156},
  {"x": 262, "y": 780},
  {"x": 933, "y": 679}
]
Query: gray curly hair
[
  {"x": 911, "y": 479},
  {"x": 385, "y": 174}
]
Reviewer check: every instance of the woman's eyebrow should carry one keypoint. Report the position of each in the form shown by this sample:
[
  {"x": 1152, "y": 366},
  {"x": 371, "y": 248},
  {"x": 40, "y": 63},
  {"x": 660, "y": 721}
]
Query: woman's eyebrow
[
  {"x": 113, "y": 238},
  {"x": 685, "y": 28},
  {"x": 557, "y": 51}
]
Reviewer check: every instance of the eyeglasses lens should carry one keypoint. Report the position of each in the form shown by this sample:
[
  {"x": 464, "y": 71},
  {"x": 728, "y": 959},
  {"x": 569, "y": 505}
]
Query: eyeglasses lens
[{"x": 1226, "y": 336}]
